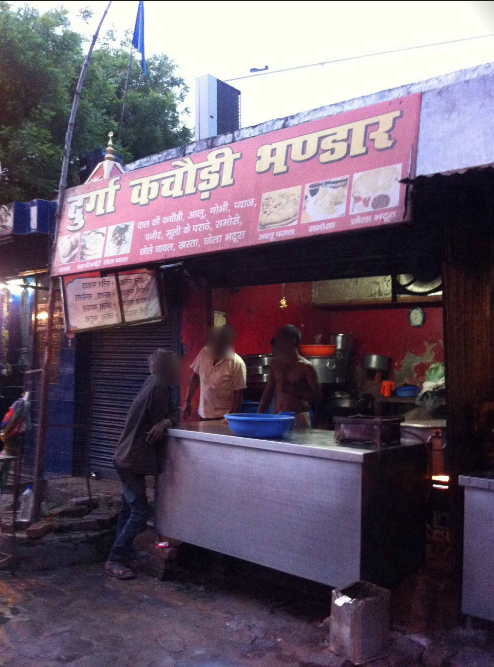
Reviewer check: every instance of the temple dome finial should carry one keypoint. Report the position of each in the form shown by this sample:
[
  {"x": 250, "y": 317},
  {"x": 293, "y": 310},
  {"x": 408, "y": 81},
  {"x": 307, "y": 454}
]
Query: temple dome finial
[{"x": 110, "y": 151}]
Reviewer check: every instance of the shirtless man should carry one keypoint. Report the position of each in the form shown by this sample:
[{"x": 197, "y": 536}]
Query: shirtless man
[{"x": 292, "y": 377}]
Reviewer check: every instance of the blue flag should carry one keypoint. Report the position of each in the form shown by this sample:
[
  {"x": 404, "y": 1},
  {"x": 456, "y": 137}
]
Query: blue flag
[{"x": 138, "y": 39}]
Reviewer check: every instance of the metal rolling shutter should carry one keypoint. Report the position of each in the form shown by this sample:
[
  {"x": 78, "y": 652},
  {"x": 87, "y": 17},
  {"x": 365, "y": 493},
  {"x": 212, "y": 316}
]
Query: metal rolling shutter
[{"x": 118, "y": 370}]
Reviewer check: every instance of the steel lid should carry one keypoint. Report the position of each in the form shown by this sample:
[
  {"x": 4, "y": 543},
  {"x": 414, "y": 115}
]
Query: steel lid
[{"x": 425, "y": 423}]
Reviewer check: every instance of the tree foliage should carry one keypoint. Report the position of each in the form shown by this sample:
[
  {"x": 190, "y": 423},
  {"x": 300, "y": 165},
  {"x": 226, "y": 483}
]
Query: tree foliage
[{"x": 40, "y": 60}]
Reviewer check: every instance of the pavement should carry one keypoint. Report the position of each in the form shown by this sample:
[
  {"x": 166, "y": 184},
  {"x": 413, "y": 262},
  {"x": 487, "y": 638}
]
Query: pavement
[
  {"x": 77, "y": 616},
  {"x": 201, "y": 617}
]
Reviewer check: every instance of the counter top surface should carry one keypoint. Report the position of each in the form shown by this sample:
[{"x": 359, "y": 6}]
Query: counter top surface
[{"x": 313, "y": 442}]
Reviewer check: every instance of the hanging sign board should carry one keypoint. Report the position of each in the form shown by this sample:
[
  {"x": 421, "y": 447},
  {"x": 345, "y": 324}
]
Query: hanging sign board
[
  {"x": 334, "y": 174},
  {"x": 140, "y": 296},
  {"x": 93, "y": 301}
]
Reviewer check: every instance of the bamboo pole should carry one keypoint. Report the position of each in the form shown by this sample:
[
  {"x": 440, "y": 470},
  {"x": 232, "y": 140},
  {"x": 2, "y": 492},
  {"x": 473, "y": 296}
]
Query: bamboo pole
[
  {"x": 124, "y": 99},
  {"x": 45, "y": 377}
]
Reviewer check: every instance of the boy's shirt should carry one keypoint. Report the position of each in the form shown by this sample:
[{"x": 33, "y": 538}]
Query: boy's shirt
[{"x": 151, "y": 405}]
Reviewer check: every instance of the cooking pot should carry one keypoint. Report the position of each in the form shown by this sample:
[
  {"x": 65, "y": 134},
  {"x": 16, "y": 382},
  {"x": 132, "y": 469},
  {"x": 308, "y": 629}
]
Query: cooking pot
[
  {"x": 376, "y": 362},
  {"x": 342, "y": 341},
  {"x": 342, "y": 399},
  {"x": 325, "y": 369},
  {"x": 257, "y": 360}
]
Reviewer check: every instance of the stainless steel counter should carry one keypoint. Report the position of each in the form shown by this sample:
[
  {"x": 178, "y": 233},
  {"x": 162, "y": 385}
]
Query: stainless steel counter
[
  {"x": 302, "y": 504},
  {"x": 478, "y": 545},
  {"x": 313, "y": 442}
]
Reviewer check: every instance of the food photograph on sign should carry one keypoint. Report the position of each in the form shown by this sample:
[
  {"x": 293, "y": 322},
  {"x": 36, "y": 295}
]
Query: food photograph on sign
[
  {"x": 376, "y": 189},
  {"x": 280, "y": 208},
  {"x": 92, "y": 244},
  {"x": 119, "y": 239},
  {"x": 68, "y": 248},
  {"x": 325, "y": 199}
]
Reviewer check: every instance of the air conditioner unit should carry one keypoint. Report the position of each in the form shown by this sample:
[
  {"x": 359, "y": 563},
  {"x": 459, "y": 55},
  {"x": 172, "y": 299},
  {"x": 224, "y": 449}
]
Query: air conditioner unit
[{"x": 217, "y": 107}]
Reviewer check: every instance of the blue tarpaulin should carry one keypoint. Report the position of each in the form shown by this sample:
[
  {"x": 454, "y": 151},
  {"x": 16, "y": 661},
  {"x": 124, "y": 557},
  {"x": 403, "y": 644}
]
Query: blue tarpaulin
[{"x": 36, "y": 216}]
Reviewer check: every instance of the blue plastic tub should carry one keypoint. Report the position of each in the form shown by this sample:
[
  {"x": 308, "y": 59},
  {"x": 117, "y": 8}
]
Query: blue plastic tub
[
  {"x": 407, "y": 391},
  {"x": 288, "y": 414},
  {"x": 260, "y": 426}
]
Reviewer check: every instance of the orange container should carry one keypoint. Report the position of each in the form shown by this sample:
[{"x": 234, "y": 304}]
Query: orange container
[
  {"x": 387, "y": 387},
  {"x": 317, "y": 350}
]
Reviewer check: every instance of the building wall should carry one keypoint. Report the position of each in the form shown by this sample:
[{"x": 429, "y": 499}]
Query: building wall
[{"x": 255, "y": 313}]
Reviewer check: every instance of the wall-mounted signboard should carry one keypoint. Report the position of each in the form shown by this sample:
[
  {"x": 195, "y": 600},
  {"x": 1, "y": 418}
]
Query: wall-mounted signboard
[
  {"x": 334, "y": 174},
  {"x": 93, "y": 301}
]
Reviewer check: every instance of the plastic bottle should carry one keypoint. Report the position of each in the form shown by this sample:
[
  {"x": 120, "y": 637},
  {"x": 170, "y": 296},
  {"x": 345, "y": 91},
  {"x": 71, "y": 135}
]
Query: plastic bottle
[{"x": 26, "y": 505}]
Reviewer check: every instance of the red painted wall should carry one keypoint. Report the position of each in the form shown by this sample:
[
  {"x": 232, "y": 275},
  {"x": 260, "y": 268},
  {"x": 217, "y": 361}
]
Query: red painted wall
[
  {"x": 196, "y": 316},
  {"x": 255, "y": 313}
]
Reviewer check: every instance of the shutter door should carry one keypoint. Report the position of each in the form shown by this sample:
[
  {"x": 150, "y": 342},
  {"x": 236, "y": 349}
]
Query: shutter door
[{"x": 119, "y": 367}]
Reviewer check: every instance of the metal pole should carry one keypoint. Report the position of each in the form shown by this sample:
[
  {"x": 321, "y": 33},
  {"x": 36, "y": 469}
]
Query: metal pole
[{"x": 45, "y": 377}]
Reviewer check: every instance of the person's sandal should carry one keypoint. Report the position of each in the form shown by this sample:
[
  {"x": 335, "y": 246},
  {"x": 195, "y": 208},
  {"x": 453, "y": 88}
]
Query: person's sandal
[{"x": 118, "y": 571}]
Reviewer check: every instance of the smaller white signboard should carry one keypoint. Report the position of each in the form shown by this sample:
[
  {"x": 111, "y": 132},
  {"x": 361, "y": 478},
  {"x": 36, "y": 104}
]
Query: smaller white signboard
[{"x": 91, "y": 302}]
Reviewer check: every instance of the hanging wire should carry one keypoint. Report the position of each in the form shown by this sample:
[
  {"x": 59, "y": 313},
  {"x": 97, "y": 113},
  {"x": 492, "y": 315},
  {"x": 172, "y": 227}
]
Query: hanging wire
[{"x": 365, "y": 55}]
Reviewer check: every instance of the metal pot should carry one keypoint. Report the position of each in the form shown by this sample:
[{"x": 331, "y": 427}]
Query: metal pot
[
  {"x": 342, "y": 341},
  {"x": 257, "y": 370},
  {"x": 325, "y": 369},
  {"x": 342, "y": 399},
  {"x": 376, "y": 362},
  {"x": 257, "y": 360},
  {"x": 258, "y": 378}
]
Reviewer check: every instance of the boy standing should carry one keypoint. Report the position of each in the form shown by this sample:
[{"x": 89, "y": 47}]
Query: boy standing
[
  {"x": 292, "y": 377},
  {"x": 138, "y": 454}
]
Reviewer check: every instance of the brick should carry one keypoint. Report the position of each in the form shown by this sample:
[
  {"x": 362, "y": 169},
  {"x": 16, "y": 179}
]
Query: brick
[
  {"x": 324, "y": 660},
  {"x": 470, "y": 637},
  {"x": 105, "y": 502},
  {"x": 69, "y": 511},
  {"x": 405, "y": 650},
  {"x": 83, "y": 501},
  {"x": 437, "y": 656},
  {"x": 470, "y": 656},
  {"x": 156, "y": 572},
  {"x": 101, "y": 537},
  {"x": 61, "y": 526},
  {"x": 38, "y": 530},
  {"x": 84, "y": 524},
  {"x": 78, "y": 537},
  {"x": 105, "y": 518}
]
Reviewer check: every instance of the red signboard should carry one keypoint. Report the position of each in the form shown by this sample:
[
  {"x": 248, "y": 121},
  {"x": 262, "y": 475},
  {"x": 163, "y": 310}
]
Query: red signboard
[{"x": 330, "y": 175}]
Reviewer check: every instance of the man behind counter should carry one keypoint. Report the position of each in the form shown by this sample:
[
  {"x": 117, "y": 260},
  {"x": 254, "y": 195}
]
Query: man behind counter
[
  {"x": 292, "y": 377},
  {"x": 221, "y": 375}
]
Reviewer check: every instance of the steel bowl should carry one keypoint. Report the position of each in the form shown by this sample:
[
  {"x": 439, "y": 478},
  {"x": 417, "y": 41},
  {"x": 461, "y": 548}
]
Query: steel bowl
[{"x": 376, "y": 362}]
